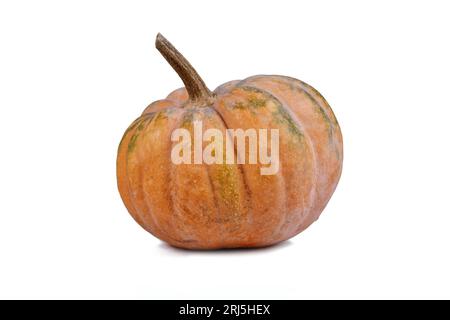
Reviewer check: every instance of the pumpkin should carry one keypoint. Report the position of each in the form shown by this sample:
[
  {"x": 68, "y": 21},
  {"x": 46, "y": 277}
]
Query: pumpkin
[{"x": 230, "y": 205}]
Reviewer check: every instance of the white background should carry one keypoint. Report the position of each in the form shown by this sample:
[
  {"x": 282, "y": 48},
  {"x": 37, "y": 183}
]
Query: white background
[{"x": 73, "y": 75}]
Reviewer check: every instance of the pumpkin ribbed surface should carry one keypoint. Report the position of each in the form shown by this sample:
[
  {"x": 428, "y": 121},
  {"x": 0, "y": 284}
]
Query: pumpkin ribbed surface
[
  {"x": 218, "y": 203},
  {"x": 209, "y": 206}
]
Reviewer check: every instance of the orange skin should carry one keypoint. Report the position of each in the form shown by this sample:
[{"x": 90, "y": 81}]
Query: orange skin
[{"x": 200, "y": 206}]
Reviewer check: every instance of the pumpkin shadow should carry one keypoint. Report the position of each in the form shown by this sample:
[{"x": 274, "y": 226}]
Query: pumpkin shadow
[{"x": 168, "y": 249}]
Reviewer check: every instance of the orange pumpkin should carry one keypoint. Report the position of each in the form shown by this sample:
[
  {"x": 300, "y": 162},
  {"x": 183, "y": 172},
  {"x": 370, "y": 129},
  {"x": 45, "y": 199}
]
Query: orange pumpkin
[{"x": 211, "y": 206}]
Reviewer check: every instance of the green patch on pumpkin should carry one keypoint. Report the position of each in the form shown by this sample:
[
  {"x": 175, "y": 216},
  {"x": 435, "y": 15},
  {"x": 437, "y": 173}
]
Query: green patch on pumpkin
[
  {"x": 256, "y": 102},
  {"x": 140, "y": 126},
  {"x": 304, "y": 88},
  {"x": 161, "y": 116},
  {"x": 318, "y": 108},
  {"x": 281, "y": 115},
  {"x": 239, "y": 105},
  {"x": 227, "y": 180},
  {"x": 132, "y": 143}
]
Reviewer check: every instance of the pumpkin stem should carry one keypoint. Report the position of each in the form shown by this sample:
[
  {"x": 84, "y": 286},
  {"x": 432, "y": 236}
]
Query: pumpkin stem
[{"x": 199, "y": 94}]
